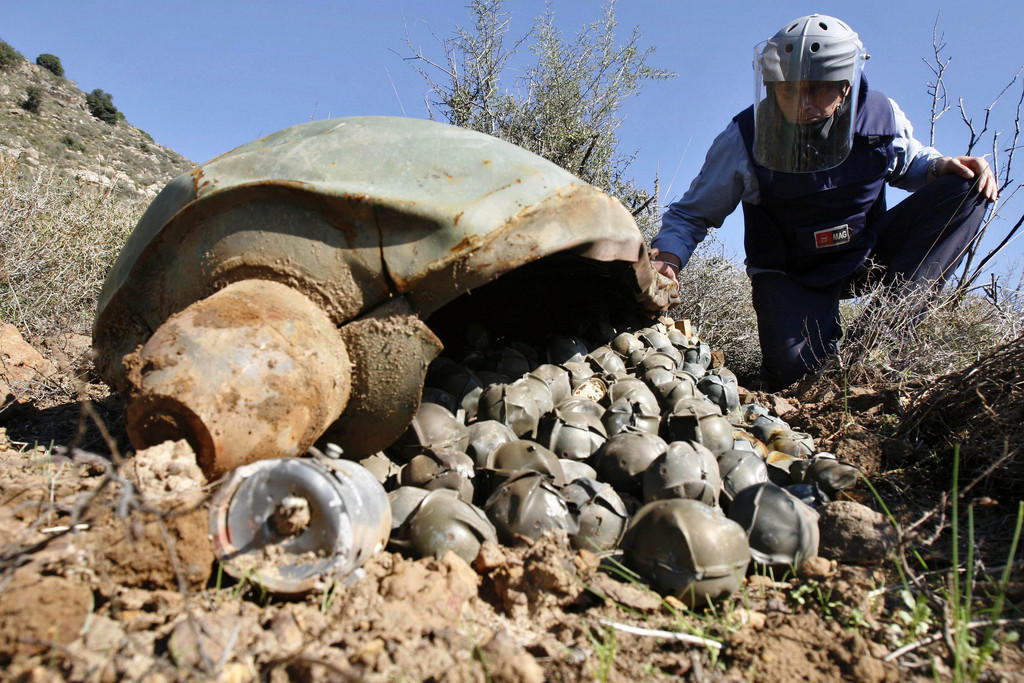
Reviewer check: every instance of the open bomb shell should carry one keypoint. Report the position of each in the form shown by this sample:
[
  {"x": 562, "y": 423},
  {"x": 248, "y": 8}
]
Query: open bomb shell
[
  {"x": 687, "y": 549},
  {"x": 528, "y": 504},
  {"x": 444, "y": 522},
  {"x": 781, "y": 529}
]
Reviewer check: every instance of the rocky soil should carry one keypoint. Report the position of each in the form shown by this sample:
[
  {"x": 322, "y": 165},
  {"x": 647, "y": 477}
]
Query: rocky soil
[{"x": 108, "y": 573}]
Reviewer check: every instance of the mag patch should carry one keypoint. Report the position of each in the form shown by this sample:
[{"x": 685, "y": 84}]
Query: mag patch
[{"x": 832, "y": 237}]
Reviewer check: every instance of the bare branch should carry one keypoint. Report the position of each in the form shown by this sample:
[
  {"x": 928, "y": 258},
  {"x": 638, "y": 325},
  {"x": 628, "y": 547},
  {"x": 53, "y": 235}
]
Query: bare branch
[
  {"x": 968, "y": 272},
  {"x": 1012, "y": 149},
  {"x": 586, "y": 156},
  {"x": 1007, "y": 238},
  {"x": 639, "y": 209},
  {"x": 937, "y": 90},
  {"x": 975, "y": 135}
]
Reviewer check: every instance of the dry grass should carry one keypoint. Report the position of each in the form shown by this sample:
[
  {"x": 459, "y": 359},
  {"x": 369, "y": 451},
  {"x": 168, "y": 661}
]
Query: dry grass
[
  {"x": 904, "y": 339},
  {"x": 715, "y": 293},
  {"x": 909, "y": 338},
  {"x": 980, "y": 409},
  {"x": 58, "y": 238}
]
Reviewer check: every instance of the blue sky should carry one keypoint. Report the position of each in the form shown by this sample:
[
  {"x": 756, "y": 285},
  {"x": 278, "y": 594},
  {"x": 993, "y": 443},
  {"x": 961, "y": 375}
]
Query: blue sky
[{"x": 204, "y": 77}]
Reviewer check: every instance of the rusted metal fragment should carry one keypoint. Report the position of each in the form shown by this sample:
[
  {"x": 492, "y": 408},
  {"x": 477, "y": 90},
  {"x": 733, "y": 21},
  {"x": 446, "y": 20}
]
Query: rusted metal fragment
[
  {"x": 255, "y": 371},
  {"x": 328, "y": 250},
  {"x": 578, "y": 219},
  {"x": 390, "y": 350}
]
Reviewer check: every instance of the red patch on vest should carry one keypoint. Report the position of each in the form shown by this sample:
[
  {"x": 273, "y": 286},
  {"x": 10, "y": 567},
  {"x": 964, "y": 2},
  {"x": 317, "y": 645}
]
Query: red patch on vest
[{"x": 831, "y": 237}]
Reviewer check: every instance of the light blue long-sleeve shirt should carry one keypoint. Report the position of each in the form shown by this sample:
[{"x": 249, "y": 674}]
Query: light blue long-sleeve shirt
[{"x": 728, "y": 177}]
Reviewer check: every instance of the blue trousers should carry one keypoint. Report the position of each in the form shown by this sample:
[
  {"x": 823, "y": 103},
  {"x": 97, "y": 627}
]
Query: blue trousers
[{"x": 921, "y": 241}]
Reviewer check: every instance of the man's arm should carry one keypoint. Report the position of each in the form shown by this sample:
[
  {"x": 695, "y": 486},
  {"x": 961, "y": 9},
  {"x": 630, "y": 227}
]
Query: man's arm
[
  {"x": 725, "y": 179},
  {"x": 916, "y": 165}
]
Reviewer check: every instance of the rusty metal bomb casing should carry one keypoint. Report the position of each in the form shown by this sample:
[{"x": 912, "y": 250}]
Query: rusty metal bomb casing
[
  {"x": 376, "y": 223},
  {"x": 254, "y": 348}
]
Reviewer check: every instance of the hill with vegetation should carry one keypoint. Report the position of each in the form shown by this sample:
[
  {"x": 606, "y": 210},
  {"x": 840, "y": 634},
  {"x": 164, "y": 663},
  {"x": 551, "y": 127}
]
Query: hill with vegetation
[{"x": 49, "y": 123}]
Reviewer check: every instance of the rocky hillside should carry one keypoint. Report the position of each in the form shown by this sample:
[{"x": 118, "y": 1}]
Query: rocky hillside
[{"x": 63, "y": 135}]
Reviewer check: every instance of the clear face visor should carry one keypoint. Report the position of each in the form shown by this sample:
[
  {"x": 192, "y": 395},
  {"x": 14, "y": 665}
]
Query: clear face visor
[{"x": 805, "y": 107}]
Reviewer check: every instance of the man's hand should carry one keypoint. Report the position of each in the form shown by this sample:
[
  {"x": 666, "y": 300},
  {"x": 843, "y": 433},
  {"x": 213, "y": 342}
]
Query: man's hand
[
  {"x": 971, "y": 168},
  {"x": 667, "y": 264}
]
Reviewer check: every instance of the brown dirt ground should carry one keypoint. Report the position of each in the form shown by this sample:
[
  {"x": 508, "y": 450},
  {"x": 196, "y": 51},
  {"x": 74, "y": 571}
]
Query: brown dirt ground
[{"x": 132, "y": 591}]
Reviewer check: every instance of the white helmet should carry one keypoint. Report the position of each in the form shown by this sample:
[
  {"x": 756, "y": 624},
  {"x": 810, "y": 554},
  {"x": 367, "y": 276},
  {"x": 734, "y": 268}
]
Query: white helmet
[
  {"x": 815, "y": 51},
  {"x": 812, "y": 48}
]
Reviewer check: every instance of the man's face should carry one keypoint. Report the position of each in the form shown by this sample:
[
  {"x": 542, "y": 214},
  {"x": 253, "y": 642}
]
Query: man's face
[{"x": 809, "y": 101}]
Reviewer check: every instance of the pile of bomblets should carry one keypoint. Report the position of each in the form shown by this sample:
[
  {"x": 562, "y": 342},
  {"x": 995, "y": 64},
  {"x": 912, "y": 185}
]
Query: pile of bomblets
[{"x": 637, "y": 448}]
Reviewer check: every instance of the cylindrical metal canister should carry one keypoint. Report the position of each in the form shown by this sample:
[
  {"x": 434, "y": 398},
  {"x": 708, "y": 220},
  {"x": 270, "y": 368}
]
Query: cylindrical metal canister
[{"x": 291, "y": 524}]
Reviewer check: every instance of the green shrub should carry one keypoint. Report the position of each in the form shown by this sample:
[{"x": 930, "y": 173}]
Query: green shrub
[
  {"x": 72, "y": 143},
  {"x": 51, "y": 63},
  {"x": 8, "y": 55},
  {"x": 101, "y": 105},
  {"x": 33, "y": 98},
  {"x": 566, "y": 106}
]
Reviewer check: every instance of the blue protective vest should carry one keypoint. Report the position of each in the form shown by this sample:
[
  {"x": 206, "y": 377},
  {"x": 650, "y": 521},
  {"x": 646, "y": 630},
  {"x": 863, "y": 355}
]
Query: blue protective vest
[{"x": 817, "y": 227}]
